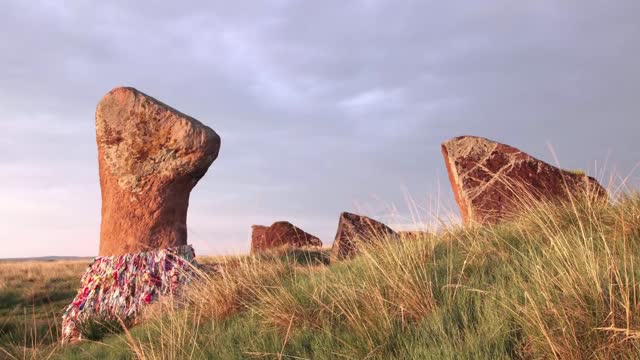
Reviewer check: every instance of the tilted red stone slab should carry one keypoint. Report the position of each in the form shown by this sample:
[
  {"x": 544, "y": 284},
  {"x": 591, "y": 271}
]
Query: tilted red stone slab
[
  {"x": 354, "y": 229},
  {"x": 490, "y": 179}
]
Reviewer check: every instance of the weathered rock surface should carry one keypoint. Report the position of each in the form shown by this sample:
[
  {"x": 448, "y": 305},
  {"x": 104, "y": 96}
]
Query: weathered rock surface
[
  {"x": 488, "y": 178},
  {"x": 281, "y": 234},
  {"x": 258, "y": 240},
  {"x": 354, "y": 229},
  {"x": 150, "y": 156}
]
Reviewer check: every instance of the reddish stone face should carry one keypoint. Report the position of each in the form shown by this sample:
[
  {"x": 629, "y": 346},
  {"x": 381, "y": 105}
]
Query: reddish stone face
[
  {"x": 150, "y": 156},
  {"x": 281, "y": 234},
  {"x": 258, "y": 241},
  {"x": 490, "y": 179},
  {"x": 353, "y": 229}
]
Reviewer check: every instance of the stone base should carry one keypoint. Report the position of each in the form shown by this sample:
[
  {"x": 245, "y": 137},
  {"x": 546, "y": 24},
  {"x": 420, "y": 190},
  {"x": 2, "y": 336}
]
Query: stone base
[{"x": 118, "y": 287}]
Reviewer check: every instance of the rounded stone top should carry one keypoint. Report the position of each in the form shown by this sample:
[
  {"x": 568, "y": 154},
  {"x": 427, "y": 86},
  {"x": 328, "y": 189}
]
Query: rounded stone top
[{"x": 140, "y": 137}]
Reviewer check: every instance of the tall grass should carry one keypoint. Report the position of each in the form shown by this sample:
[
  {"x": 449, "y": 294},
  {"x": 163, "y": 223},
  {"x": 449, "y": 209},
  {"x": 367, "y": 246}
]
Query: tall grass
[
  {"x": 32, "y": 295},
  {"x": 557, "y": 281}
]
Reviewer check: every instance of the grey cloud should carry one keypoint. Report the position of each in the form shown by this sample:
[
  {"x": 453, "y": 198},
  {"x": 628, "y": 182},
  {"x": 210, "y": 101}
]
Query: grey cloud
[{"x": 322, "y": 106}]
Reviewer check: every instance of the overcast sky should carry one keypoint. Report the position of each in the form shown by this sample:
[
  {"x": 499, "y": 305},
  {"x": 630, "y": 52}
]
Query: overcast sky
[{"x": 322, "y": 106}]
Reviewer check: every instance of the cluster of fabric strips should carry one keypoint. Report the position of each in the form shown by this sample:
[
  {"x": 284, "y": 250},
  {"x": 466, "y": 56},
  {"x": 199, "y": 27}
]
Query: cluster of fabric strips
[{"x": 117, "y": 287}]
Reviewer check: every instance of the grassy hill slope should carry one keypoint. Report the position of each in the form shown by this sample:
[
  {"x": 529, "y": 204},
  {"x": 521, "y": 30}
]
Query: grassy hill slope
[{"x": 556, "y": 282}]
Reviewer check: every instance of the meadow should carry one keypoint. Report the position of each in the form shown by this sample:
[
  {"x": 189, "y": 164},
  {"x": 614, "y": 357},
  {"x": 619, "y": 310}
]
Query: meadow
[{"x": 558, "y": 281}]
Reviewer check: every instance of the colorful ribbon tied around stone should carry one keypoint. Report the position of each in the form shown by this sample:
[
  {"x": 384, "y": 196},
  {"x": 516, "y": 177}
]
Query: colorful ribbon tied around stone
[{"x": 117, "y": 287}]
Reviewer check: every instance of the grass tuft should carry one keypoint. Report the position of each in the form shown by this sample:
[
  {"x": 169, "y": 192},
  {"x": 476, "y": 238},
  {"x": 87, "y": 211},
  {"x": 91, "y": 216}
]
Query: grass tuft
[{"x": 556, "y": 281}]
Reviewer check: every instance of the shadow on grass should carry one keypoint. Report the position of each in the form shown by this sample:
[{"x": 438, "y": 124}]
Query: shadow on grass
[
  {"x": 9, "y": 299},
  {"x": 97, "y": 328},
  {"x": 302, "y": 257}
]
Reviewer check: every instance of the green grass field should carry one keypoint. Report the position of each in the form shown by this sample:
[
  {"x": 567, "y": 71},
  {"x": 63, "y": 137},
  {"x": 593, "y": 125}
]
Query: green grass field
[{"x": 558, "y": 281}]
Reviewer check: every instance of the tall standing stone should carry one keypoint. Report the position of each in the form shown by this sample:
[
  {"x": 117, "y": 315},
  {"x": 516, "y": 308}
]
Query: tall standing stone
[
  {"x": 490, "y": 179},
  {"x": 150, "y": 156}
]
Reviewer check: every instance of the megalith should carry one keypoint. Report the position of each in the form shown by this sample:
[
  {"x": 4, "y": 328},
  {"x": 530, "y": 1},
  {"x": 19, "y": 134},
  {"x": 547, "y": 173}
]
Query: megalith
[
  {"x": 490, "y": 180},
  {"x": 356, "y": 229},
  {"x": 150, "y": 156}
]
